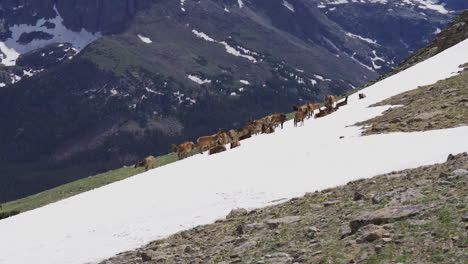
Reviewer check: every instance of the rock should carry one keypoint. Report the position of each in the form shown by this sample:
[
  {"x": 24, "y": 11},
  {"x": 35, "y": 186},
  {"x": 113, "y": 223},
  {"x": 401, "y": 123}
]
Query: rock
[
  {"x": 443, "y": 183},
  {"x": 378, "y": 248},
  {"x": 443, "y": 175},
  {"x": 375, "y": 200},
  {"x": 144, "y": 256},
  {"x": 460, "y": 173},
  {"x": 313, "y": 229},
  {"x": 384, "y": 215},
  {"x": 330, "y": 203},
  {"x": 465, "y": 218},
  {"x": 274, "y": 223},
  {"x": 428, "y": 115},
  {"x": 370, "y": 233},
  {"x": 249, "y": 245},
  {"x": 316, "y": 253},
  {"x": 254, "y": 226},
  {"x": 450, "y": 157},
  {"x": 241, "y": 229},
  {"x": 188, "y": 249},
  {"x": 279, "y": 258},
  {"x": 358, "y": 196},
  {"x": 386, "y": 239},
  {"x": 238, "y": 212}
]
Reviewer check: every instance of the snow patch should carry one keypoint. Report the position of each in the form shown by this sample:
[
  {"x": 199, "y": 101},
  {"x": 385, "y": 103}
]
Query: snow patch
[
  {"x": 12, "y": 49},
  {"x": 145, "y": 39},
  {"x": 368, "y": 40},
  {"x": 202, "y": 35},
  {"x": 198, "y": 80},
  {"x": 289, "y": 6},
  {"x": 245, "y": 82}
]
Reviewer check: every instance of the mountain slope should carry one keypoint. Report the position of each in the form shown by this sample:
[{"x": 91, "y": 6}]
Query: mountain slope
[
  {"x": 201, "y": 189},
  {"x": 161, "y": 72},
  {"x": 320, "y": 227}
]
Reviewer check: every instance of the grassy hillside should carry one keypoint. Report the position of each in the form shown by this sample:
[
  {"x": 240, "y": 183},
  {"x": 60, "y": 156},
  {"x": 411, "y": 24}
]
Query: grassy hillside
[{"x": 79, "y": 186}]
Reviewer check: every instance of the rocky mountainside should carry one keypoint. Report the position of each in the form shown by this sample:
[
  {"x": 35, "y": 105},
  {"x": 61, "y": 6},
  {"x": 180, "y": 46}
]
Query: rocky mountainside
[
  {"x": 410, "y": 216},
  {"x": 150, "y": 73}
]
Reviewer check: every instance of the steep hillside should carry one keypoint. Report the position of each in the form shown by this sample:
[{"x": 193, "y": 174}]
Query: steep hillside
[
  {"x": 160, "y": 72},
  {"x": 264, "y": 170},
  {"x": 456, "y": 31},
  {"x": 411, "y": 216}
]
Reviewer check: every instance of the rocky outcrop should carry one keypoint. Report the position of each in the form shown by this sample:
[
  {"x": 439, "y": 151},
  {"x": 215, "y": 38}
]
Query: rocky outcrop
[{"x": 384, "y": 215}]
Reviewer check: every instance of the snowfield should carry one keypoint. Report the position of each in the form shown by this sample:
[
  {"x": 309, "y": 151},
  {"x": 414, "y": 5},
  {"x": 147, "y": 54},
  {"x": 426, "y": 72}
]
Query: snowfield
[{"x": 124, "y": 215}]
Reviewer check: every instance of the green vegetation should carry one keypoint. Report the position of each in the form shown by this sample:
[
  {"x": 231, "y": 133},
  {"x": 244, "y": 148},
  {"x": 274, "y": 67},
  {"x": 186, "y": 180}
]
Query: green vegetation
[
  {"x": 79, "y": 186},
  {"x": 437, "y": 106}
]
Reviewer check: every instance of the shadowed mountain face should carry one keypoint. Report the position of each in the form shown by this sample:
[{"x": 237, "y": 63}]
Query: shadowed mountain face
[{"x": 157, "y": 72}]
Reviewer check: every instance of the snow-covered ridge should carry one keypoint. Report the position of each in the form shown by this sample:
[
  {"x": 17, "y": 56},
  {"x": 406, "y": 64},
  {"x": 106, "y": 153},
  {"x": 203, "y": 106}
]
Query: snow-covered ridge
[
  {"x": 125, "y": 215},
  {"x": 11, "y": 48},
  {"x": 434, "y": 5}
]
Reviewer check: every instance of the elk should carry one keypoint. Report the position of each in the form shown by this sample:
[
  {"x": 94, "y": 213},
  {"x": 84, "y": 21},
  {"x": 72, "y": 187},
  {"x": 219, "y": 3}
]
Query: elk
[
  {"x": 146, "y": 163},
  {"x": 299, "y": 116}
]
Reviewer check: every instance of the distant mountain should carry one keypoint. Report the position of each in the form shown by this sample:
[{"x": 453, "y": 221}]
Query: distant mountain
[{"x": 154, "y": 72}]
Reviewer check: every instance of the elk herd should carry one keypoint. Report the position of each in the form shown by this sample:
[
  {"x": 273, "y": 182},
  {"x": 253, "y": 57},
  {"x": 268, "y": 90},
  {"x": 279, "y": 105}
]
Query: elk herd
[{"x": 216, "y": 143}]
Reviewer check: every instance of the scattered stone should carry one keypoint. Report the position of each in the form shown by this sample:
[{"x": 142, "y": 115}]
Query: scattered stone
[
  {"x": 375, "y": 200},
  {"x": 358, "y": 196},
  {"x": 144, "y": 256},
  {"x": 316, "y": 253},
  {"x": 443, "y": 174},
  {"x": 330, "y": 203},
  {"x": 465, "y": 218},
  {"x": 428, "y": 115},
  {"x": 444, "y": 183},
  {"x": 237, "y": 213},
  {"x": 251, "y": 244},
  {"x": 274, "y": 223},
  {"x": 460, "y": 173},
  {"x": 188, "y": 249},
  {"x": 241, "y": 229},
  {"x": 378, "y": 248},
  {"x": 370, "y": 233},
  {"x": 450, "y": 157},
  {"x": 386, "y": 239},
  {"x": 383, "y": 215}
]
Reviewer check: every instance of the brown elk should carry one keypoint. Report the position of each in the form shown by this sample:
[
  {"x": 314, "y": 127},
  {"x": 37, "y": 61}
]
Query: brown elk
[
  {"x": 278, "y": 119},
  {"x": 235, "y": 144},
  {"x": 232, "y": 134},
  {"x": 342, "y": 103},
  {"x": 330, "y": 100},
  {"x": 217, "y": 149},
  {"x": 312, "y": 108},
  {"x": 268, "y": 129},
  {"x": 183, "y": 150},
  {"x": 299, "y": 116},
  {"x": 207, "y": 142},
  {"x": 146, "y": 163},
  {"x": 322, "y": 112}
]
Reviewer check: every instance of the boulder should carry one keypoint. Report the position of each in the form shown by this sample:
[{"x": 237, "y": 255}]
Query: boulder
[
  {"x": 274, "y": 223},
  {"x": 237, "y": 213},
  {"x": 370, "y": 233},
  {"x": 384, "y": 215}
]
